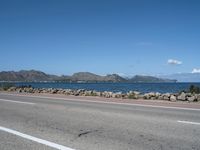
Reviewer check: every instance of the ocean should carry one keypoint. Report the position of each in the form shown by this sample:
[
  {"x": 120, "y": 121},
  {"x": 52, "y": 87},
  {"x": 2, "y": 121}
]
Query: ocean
[{"x": 116, "y": 87}]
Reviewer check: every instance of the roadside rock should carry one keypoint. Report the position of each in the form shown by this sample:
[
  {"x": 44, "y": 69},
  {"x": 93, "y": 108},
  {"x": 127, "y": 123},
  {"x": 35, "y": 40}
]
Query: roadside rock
[
  {"x": 157, "y": 95},
  {"x": 12, "y": 89},
  {"x": 198, "y": 97},
  {"x": 153, "y": 96},
  {"x": 172, "y": 98},
  {"x": 53, "y": 91},
  {"x": 19, "y": 90},
  {"x": 136, "y": 92},
  {"x": 107, "y": 94},
  {"x": 166, "y": 96},
  {"x": 133, "y": 94},
  {"x": 148, "y": 95},
  {"x": 118, "y": 95},
  {"x": 192, "y": 99},
  {"x": 182, "y": 97}
]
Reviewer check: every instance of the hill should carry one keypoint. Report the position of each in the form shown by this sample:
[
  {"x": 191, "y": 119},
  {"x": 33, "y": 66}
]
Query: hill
[
  {"x": 93, "y": 78},
  {"x": 184, "y": 77},
  {"x": 80, "y": 77},
  {"x": 24, "y": 75},
  {"x": 149, "y": 79}
]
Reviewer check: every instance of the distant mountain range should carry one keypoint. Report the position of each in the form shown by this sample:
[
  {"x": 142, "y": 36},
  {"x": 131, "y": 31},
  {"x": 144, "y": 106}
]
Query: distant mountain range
[
  {"x": 80, "y": 77},
  {"x": 151, "y": 79},
  {"x": 24, "y": 75},
  {"x": 183, "y": 77},
  {"x": 92, "y": 78}
]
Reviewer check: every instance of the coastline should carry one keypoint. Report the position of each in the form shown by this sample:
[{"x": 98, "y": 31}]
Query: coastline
[
  {"x": 107, "y": 95},
  {"x": 113, "y": 87}
]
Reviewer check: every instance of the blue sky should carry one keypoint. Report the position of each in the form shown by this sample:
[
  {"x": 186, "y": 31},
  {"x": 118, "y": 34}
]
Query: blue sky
[{"x": 100, "y": 36}]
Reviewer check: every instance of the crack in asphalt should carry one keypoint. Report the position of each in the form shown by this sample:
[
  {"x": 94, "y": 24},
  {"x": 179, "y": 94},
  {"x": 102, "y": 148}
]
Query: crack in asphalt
[{"x": 86, "y": 132}]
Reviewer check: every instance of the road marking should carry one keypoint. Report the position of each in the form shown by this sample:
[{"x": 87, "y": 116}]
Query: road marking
[
  {"x": 102, "y": 102},
  {"x": 20, "y": 102},
  {"x": 188, "y": 122},
  {"x": 35, "y": 139}
]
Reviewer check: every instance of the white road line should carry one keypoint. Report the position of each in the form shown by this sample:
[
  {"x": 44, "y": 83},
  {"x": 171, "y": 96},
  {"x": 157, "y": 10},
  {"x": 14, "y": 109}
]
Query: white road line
[
  {"x": 20, "y": 102},
  {"x": 188, "y": 122},
  {"x": 35, "y": 139},
  {"x": 102, "y": 102}
]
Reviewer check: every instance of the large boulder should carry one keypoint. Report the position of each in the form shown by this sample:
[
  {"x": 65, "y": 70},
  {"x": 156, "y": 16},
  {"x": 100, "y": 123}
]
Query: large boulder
[
  {"x": 172, "y": 98},
  {"x": 157, "y": 95},
  {"x": 68, "y": 91},
  {"x": 97, "y": 93},
  {"x": 107, "y": 94},
  {"x": 166, "y": 96},
  {"x": 88, "y": 93},
  {"x": 81, "y": 91},
  {"x": 150, "y": 95},
  {"x": 191, "y": 98},
  {"x": 118, "y": 95},
  {"x": 198, "y": 97},
  {"x": 61, "y": 91},
  {"x": 12, "y": 89},
  {"x": 182, "y": 97},
  {"x": 133, "y": 94},
  {"x": 136, "y": 92},
  {"x": 19, "y": 90},
  {"x": 53, "y": 91}
]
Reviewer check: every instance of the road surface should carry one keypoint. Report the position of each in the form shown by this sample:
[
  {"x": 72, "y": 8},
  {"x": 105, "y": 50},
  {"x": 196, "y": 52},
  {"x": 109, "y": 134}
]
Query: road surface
[{"x": 42, "y": 123}]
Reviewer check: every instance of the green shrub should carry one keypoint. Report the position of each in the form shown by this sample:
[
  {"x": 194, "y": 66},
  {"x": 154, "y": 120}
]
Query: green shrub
[
  {"x": 6, "y": 86},
  {"x": 131, "y": 96},
  {"x": 90, "y": 94},
  {"x": 194, "y": 89}
]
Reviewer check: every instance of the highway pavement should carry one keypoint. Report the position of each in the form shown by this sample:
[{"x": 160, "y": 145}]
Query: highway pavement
[{"x": 42, "y": 123}]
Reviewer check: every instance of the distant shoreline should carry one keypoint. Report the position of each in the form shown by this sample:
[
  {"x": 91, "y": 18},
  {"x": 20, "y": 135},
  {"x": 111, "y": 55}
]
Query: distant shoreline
[
  {"x": 87, "y": 82},
  {"x": 113, "y": 87},
  {"x": 84, "y": 82},
  {"x": 64, "y": 82}
]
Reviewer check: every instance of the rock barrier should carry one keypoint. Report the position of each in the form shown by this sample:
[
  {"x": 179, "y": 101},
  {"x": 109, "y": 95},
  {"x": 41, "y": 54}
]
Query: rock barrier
[{"x": 183, "y": 96}]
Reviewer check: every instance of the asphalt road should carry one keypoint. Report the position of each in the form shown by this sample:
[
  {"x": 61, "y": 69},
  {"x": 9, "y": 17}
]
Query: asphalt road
[{"x": 36, "y": 123}]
